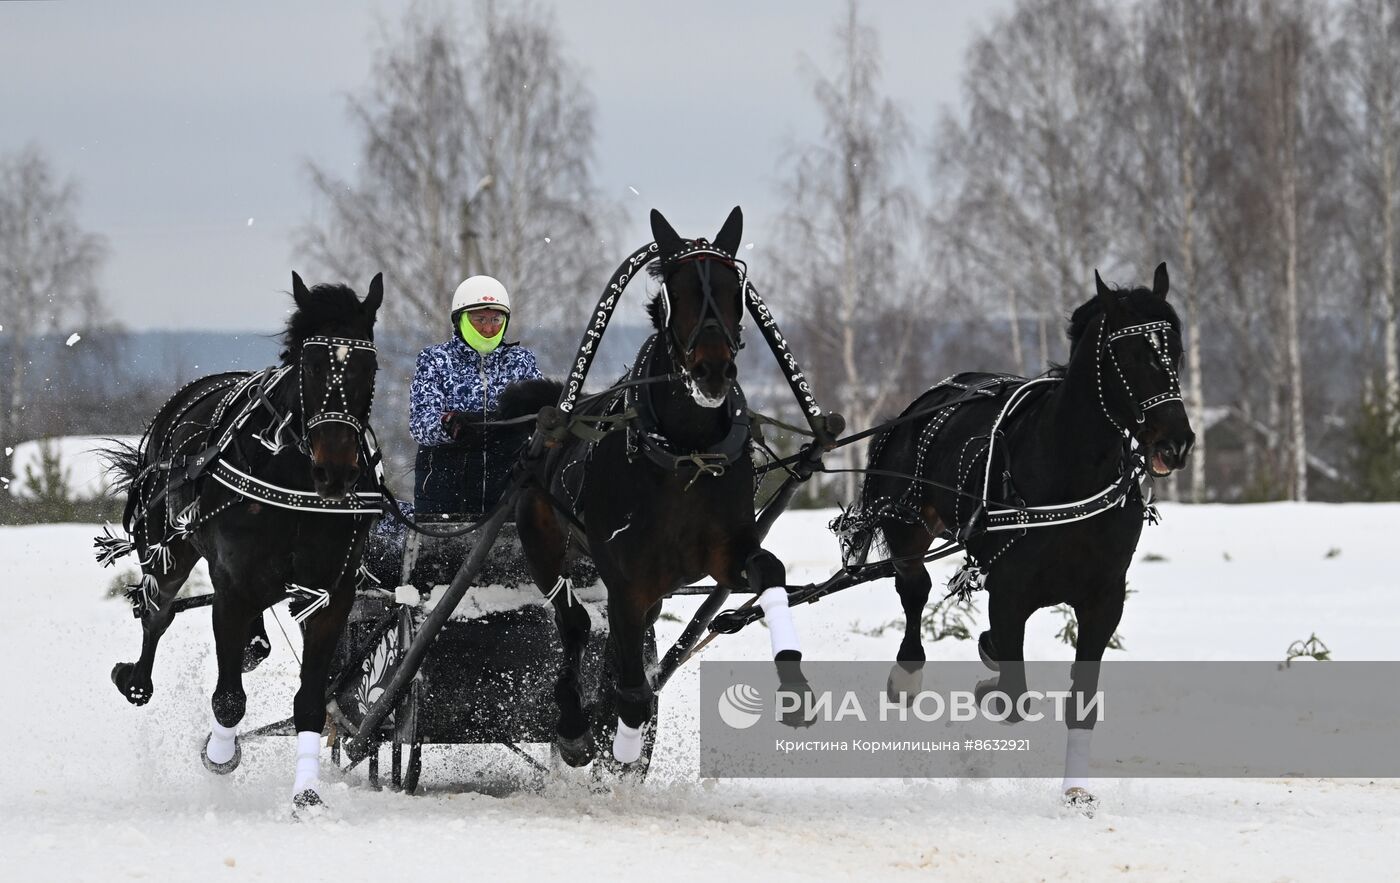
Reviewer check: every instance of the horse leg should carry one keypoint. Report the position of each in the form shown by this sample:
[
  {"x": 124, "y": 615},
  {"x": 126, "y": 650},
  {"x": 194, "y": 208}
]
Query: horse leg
[
  {"x": 767, "y": 578},
  {"x": 1004, "y": 644},
  {"x": 258, "y": 646},
  {"x": 546, "y": 544},
  {"x": 320, "y": 634},
  {"x": 1097, "y": 618},
  {"x": 158, "y": 591},
  {"x": 231, "y": 617},
  {"x": 628, "y": 619},
  {"x": 913, "y": 584}
]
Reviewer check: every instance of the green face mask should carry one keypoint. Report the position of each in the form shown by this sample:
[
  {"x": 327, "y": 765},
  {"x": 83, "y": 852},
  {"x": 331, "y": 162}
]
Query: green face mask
[{"x": 483, "y": 345}]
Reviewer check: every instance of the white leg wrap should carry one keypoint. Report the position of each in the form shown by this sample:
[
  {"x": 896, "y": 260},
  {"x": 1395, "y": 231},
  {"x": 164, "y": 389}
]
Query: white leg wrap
[
  {"x": 627, "y": 744},
  {"x": 308, "y": 761},
  {"x": 1077, "y": 759},
  {"x": 221, "y": 742},
  {"x": 781, "y": 631}
]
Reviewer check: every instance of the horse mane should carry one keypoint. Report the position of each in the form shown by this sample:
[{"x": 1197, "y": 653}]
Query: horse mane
[
  {"x": 328, "y": 305},
  {"x": 658, "y": 270}
]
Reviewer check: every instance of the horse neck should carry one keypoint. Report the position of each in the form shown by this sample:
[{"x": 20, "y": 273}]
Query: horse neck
[
  {"x": 680, "y": 419},
  {"x": 1077, "y": 431}
]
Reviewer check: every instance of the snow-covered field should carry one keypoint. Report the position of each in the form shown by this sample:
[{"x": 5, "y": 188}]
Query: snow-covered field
[{"x": 95, "y": 789}]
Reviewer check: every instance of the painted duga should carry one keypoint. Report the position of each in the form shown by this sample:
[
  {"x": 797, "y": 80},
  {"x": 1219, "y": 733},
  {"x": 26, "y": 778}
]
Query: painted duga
[
  {"x": 1052, "y": 512},
  {"x": 268, "y": 477}
]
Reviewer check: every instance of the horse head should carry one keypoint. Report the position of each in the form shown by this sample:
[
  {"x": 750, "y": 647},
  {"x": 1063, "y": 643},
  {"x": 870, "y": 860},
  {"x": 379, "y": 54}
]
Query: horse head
[
  {"x": 700, "y": 306},
  {"x": 330, "y": 340},
  {"x": 1137, "y": 357}
]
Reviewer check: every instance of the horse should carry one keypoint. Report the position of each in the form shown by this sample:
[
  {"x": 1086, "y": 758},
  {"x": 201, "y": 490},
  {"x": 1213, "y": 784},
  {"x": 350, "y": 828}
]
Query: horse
[
  {"x": 268, "y": 476},
  {"x": 975, "y": 455},
  {"x": 662, "y": 504}
]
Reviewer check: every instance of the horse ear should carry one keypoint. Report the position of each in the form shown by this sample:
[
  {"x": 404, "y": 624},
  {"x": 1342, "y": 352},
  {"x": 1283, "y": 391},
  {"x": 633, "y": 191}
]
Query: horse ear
[
  {"x": 667, "y": 239},
  {"x": 376, "y": 294},
  {"x": 727, "y": 239},
  {"x": 1108, "y": 297},
  {"x": 299, "y": 292},
  {"x": 1160, "y": 283}
]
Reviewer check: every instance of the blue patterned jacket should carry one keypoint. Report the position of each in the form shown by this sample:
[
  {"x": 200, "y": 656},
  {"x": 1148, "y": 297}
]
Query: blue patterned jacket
[{"x": 454, "y": 377}]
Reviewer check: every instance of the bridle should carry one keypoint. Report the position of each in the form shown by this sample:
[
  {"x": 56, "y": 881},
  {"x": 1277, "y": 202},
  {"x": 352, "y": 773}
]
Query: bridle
[
  {"x": 1156, "y": 334},
  {"x": 333, "y": 407},
  {"x": 703, "y": 255}
]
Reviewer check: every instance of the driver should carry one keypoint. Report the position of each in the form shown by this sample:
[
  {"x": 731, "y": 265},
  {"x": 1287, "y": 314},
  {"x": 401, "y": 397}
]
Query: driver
[{"x": 463, "y": 464}]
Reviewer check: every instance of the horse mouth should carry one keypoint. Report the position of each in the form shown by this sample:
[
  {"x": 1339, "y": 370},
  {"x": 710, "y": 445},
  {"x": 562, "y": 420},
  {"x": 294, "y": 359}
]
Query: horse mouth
[{"x": 1159, "y": 465}]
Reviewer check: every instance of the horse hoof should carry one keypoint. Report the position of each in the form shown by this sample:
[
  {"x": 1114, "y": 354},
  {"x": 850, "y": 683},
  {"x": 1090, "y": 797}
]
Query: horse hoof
[
  {"x": 308, "y": 805},
  {"x": 578, "y": 751},
  {"x": 253, "y": 655},
  {"x": 987, "y": 651},
  {"x": 904, "y": 684},
  {"x": 795, "y": 699},
  {"x": 136, "y": 692},
  {"x": 1081, "y": 801},
  {"x": 222, "y": 769}
]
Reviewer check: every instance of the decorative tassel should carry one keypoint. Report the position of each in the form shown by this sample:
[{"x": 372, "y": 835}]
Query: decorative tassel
[
  {"x": 853, "y": 534},
  {"x": 159, "y": 559},
  {"x": 967, "y": 580},
  {"x": 364, "y": 578},
  {"x": 186, "y": 518},
  {"x": 567, "y": 585},
  {"x": 144, "y": 596},
  {"x": 108, "y": 548},
  {"x": 315, "y": 598}
]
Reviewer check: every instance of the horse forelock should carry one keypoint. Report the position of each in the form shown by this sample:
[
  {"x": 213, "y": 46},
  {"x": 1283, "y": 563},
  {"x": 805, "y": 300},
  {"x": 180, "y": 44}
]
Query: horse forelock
[{"x": 330, "y": 309}]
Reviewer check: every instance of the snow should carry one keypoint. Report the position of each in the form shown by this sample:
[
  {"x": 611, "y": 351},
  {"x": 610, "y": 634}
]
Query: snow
[
  {"x": 72, "y": 339},
  {"x": 96, "y": 789},
  {"x": 79, "y": 458}
]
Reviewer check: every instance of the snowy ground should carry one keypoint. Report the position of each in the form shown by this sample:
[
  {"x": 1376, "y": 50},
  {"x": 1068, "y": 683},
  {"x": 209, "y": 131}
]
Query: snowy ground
[{"x": 96, "y": 789}]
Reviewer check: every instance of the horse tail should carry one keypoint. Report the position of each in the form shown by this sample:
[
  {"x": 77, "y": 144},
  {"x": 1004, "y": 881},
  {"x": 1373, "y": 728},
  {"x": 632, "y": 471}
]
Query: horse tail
[{"x": 526, "y": 397}]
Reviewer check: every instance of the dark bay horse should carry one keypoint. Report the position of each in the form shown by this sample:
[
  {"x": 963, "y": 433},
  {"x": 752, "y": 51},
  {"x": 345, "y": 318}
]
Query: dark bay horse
[
  {"x": 265, "y": 476},
  {"x": 1073, "y": 435},
  {"x": 664, "y": 503}
]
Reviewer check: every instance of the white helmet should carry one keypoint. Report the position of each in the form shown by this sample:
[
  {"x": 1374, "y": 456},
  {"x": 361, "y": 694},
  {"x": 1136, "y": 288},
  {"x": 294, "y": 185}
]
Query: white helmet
[{"x": 481, "y": 292}]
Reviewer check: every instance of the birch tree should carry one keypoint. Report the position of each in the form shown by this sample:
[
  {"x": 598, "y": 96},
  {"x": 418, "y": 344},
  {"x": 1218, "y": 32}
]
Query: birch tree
[
  {"x": 1371, "y": 30},
  {"x": 844, "y": 255},
  {"x": 48, "y": 273},
  {"x": 1039, "y": 162},
  {"x": 477, "y": 158}
]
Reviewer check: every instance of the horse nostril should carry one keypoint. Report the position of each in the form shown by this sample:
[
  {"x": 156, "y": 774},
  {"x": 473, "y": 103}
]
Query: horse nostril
[
  {"x": 701, "y": 372},
  {"x": 731, "y": 371},
  {"x": 320, "y": 474}
]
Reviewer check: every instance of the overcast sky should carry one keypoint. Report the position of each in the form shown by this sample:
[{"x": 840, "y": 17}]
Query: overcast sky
[{"x": 188, "y": 125}]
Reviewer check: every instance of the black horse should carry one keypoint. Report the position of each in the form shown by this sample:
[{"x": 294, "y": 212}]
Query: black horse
[
  {"x": 1083, "y": 434},
  {"x": 266, "y": 476},
  {"x": 665, "y": 502}
]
